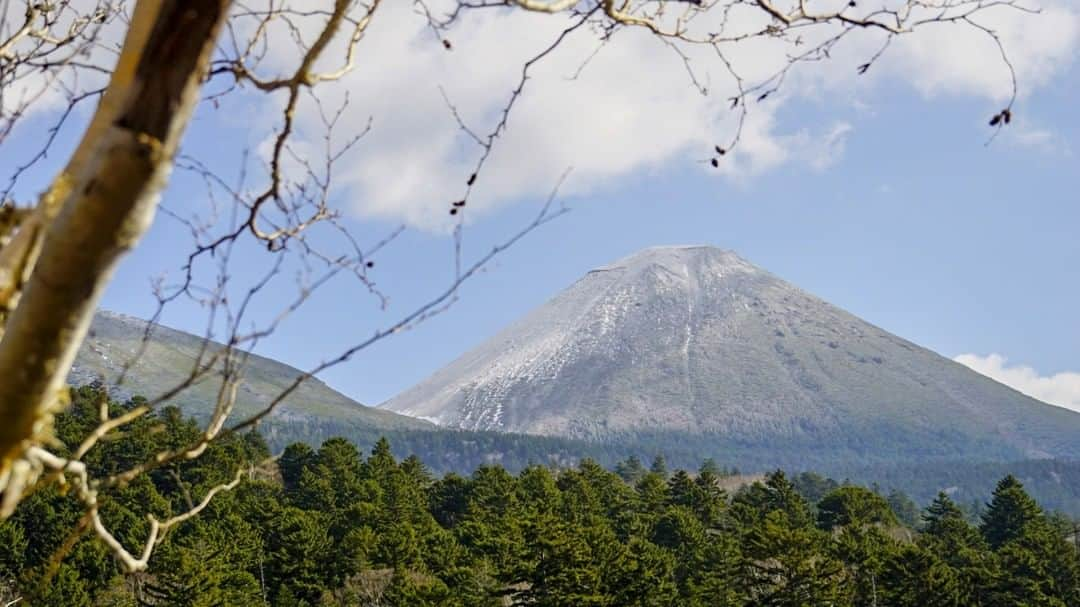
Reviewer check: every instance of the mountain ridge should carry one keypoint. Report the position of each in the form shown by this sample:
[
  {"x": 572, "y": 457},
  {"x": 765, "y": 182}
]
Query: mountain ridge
[
  {"x": 741, "y": 353},
  {"x": 170, "y": 353}
]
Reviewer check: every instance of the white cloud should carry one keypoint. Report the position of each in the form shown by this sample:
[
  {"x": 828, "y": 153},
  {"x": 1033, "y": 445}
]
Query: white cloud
[
  {"x": 1061, "y": 389},
  {"x": 632, "y": 110},
  {"x": 1039, "y": 139},
  {"x": 1036, "y": 138},
  {"x": 831, "y": 146},
  {"x": 962, "y": 61}
]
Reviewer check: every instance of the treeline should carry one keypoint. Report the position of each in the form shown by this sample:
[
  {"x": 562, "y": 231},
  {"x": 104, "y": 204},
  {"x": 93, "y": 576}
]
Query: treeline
[
  {"x": 1055, "y": 483},
  {"x": 335, "y": 527},
  {"x": 470, "y": 449}
]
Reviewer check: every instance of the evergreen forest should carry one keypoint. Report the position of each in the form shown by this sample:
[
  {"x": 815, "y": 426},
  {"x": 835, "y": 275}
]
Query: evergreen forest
[{"x": 334, "y": 526}]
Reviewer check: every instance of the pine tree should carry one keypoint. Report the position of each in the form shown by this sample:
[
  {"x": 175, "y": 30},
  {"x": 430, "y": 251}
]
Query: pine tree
[
  {"x": 415, "y": 590},
  {"x": 539, "y": 493},
  {"x": 786, "y": 565},
  {"x": 916, "y": 577},
  {"x": 659, "y": 466},
  {"x": 754, "y": 502},
  {"x": 297, "y": 546},
  {"x": 813, "y": 486},
  {"x": 711, "y": 499},
  {"x": 716, "y": 581},
  {"x": 294, "y": 460},
  {"x": 381, "y": 462},
  {"x": 1038, "y": 567},
  {"x": 199, "y": 575},
  {"x": 942, "y": 516},
  {"x": 565, "y": 574},
  {"x": 853, "y": 506},
  {"x": 1009, "y": 512},
  {"x": 631, "y": 469},
  {"x": 66, "y": 589},
  {"x": 13, "y": 547},
  {"x": 710, "y": 467},
  {"x": 648, "y": 579},
  {"x": 864, "y": 550},
  {"x": 906, "y": 511},
  {"x": 705, "y": 563},
  {"x": 682, "y": 490},
  {"x": 652, "y": 494},
  {"x": 449, "y": 499},
  {"x": 416, "y": 471},
  {"x": 958, "y": 545}
]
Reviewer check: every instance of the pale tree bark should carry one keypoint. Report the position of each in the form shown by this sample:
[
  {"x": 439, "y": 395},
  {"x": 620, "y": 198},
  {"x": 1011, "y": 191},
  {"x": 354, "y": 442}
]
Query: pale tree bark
[{"x": 55, "y": 268}]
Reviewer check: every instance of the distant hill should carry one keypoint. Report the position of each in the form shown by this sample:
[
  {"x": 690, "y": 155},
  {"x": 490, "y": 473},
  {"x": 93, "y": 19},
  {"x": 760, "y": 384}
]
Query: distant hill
[
  {"x": 316, "y": 412},
  {"x": 170, "y": 355},
  {"x": 695, "y": 345}
]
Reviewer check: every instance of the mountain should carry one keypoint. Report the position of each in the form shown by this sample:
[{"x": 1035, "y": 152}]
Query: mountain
[
  {"x": 316, "y": 412},
  {"x": 171, "y": 354},
  {"x": 696, "y": 346}
]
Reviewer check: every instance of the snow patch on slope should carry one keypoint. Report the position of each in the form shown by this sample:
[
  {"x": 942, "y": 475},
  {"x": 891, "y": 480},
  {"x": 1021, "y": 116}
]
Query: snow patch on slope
[{"x": 581, "y": 323}]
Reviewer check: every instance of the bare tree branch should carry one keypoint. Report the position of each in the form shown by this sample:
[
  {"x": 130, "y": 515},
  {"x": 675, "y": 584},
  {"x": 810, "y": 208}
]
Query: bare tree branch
[{"x": 57, "y": 252}]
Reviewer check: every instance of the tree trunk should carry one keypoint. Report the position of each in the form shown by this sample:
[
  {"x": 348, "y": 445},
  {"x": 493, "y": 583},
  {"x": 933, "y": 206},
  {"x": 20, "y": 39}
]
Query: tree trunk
[{"x": 62, "y": 258}]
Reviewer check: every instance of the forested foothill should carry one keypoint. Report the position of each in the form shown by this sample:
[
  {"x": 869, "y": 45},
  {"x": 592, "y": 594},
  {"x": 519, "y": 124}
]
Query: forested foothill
[{"x": 334, "y": 526}]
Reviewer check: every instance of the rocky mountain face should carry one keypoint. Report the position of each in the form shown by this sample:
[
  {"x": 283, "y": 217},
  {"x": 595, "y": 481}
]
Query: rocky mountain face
[
  {"x": 170, "y": 355},
  {"x": 696, "y": 342}
]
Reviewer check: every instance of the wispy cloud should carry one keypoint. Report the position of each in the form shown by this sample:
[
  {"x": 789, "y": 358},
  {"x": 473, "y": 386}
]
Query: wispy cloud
[
  {"x": 1041, "y": 139},
  {"x": 830, "y": 149},
  {"x": 626, "y": 107},
  {"x": 1061, "y": 389}
]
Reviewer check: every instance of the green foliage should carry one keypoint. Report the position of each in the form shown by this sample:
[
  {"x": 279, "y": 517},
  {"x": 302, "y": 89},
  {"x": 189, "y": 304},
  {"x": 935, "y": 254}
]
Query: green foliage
[
  {"x": 340, "y": 528},
  {"x": 904, "y": 508},
  {"x": 65, "y": 589},
  {"x": 787, "y": 565},
  {"x": 853, "y": 506},
  {"x": 199, "y": 573},
  {"x": 776, "y": 494},
  {"x": 881, "y": 458},
  {"x": 916, "y": 577},
  {"x": 659, "y": 466},
  {"x": 631, "y": 470},
  {"x": 813, "y": 486},
  {"x": 13, "y": 548},
  {"x": 1010, "y": 512}
]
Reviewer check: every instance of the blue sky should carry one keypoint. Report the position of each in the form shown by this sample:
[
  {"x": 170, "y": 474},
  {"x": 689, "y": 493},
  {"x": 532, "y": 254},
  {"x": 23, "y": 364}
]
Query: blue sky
[
  {"x": 918, "y": 228},
  {"x": 880, "y": 198}
]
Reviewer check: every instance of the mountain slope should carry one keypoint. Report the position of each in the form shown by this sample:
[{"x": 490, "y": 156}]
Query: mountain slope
[
  {"x": 170, "y": 355},
  {"x": 697, "y": 341}
]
